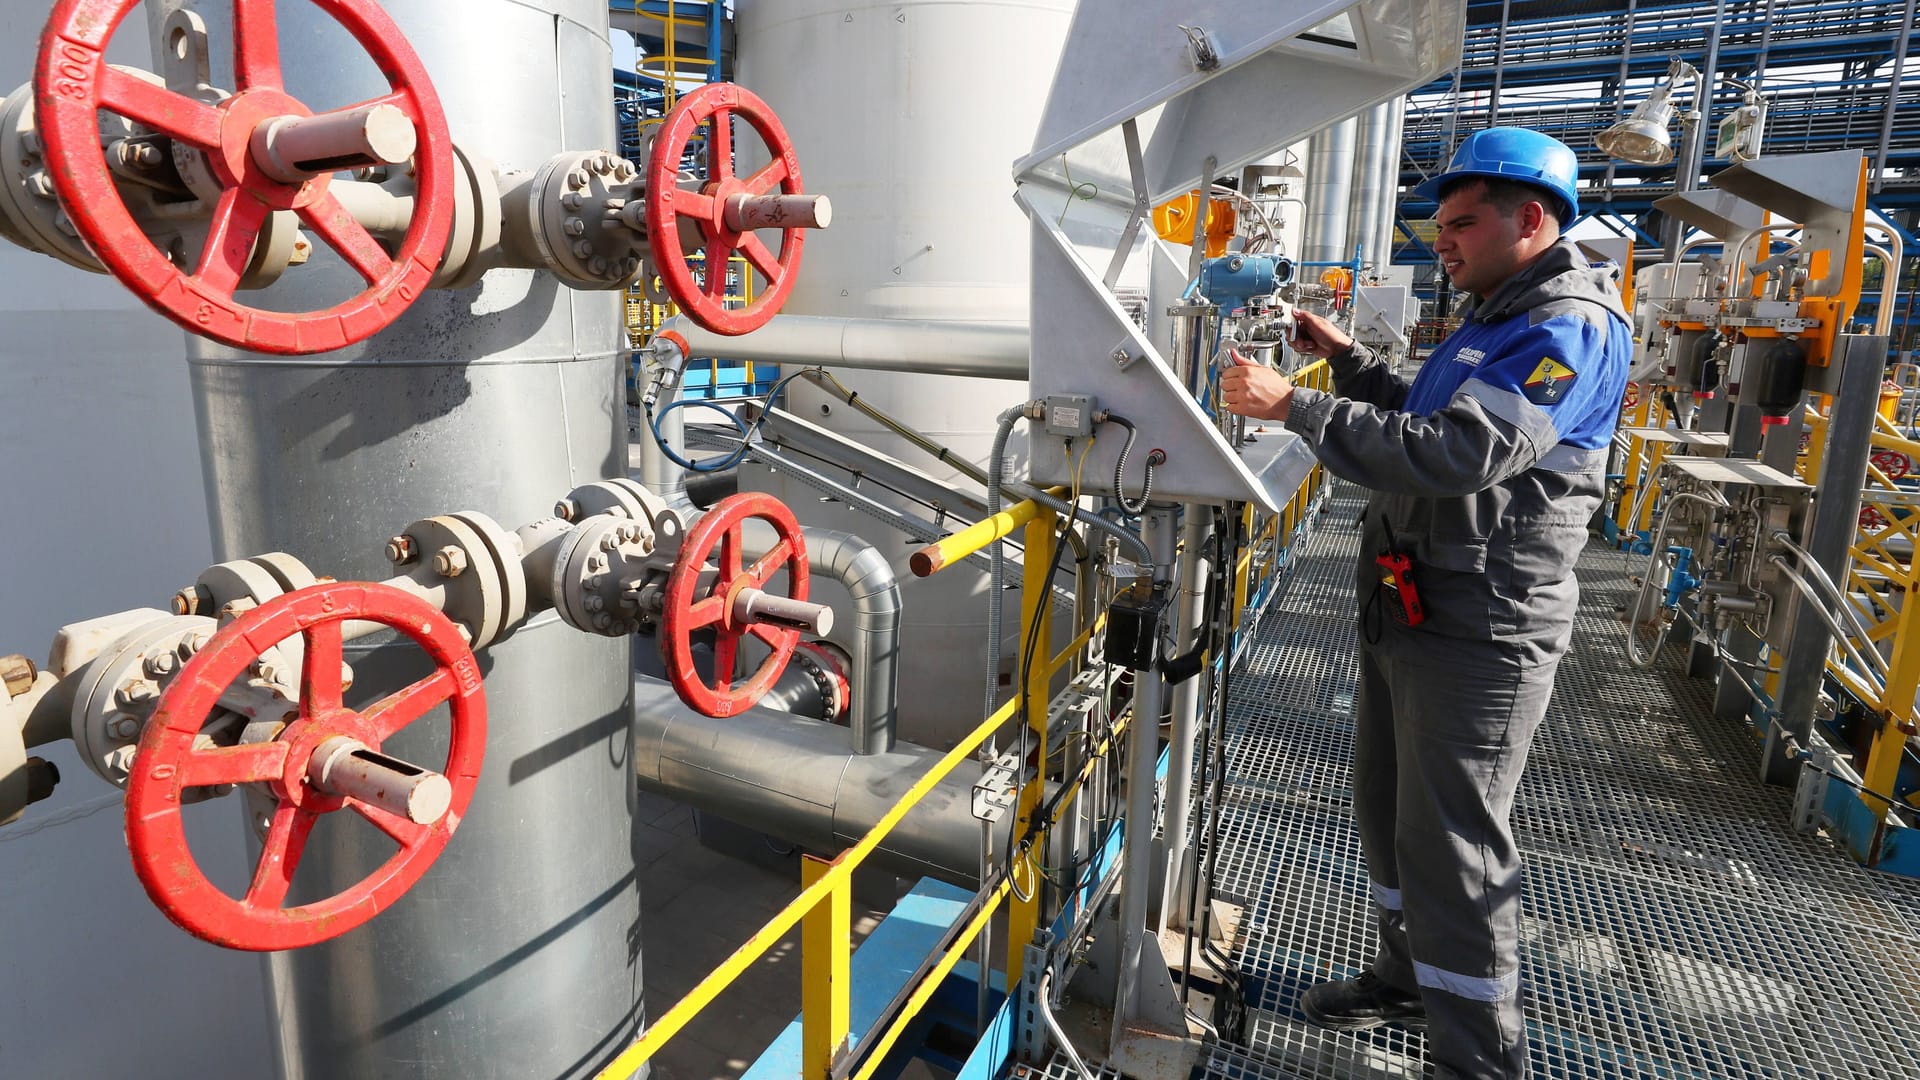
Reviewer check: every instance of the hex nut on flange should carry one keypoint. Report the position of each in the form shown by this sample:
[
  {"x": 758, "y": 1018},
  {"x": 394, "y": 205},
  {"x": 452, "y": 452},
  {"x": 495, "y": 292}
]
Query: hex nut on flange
[
  {"x": 449, "y": 561},
  {"x": 401, "y": 550}
]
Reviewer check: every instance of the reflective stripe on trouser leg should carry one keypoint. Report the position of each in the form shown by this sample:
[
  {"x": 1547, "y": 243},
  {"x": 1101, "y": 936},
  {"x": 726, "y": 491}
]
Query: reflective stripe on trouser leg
[
  {"x": 1462, "y": 732},
  {"x": 1375, "y": 786}
]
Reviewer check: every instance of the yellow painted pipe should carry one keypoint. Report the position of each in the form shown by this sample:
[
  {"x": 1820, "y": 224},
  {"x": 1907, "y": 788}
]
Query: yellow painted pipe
[{"x": 940, "y": 554}]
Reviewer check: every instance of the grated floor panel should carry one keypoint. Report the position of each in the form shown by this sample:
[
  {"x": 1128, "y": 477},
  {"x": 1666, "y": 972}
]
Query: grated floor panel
[{"x": 1674, "y": 925}]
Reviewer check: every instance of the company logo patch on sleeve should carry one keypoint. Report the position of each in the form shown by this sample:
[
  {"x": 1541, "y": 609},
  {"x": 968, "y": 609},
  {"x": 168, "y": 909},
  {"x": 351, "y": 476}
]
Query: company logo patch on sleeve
[{"x": 1549, "y": 382}]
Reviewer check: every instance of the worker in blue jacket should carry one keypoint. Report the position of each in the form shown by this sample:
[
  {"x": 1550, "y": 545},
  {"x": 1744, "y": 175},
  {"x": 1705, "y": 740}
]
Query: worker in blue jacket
[{"x": 1485, "y": 471}]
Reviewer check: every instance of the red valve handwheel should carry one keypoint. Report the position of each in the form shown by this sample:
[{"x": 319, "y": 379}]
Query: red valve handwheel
[
  {"x": 718, "y": 535},
  {"x": 667, "y": 203},
  {"x": 1632, "y": 396},
  {"x": 168, "y": 763},
  {"x": 1892, "y": 462},
  {"x": 71, "y": 82},
  {"x": 1871, "y": 520}
]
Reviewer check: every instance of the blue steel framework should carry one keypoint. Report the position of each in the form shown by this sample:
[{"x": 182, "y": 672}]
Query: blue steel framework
[{"x": 1837, "y": 74}]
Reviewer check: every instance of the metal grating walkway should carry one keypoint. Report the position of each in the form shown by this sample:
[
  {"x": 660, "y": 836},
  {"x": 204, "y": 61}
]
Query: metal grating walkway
[{"x": 1675, "y": 927}]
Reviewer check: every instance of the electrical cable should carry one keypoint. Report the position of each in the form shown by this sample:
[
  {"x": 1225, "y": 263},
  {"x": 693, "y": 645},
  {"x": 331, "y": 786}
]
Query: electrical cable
[
  {"x": 1131, "y": 506},
  {"x": 1040, "y": 611},
  {"x": 747, "y": 431},
  {"x": 1074, "y": 190}
]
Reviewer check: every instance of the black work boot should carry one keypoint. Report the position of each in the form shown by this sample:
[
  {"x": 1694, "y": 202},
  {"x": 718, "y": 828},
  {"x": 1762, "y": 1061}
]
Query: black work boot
[{"x": 1360, "y": 1003}]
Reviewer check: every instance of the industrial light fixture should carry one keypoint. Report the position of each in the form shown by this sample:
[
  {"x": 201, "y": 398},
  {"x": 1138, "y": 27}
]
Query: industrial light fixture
[{"x": 1642, "y": 138}]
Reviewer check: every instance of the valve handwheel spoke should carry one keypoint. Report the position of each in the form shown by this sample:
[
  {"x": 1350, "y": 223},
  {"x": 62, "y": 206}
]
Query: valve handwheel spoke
[
  {"x": 72, "y": 82},
  {"x": 234, "y": 765},
  {"x": 237, "y": 220},
  {"x": 171, "y": 114},
  {"x": 403, "y": 707},
  {"x": 297, "y": 767},
  {"x": 692, "y": 605},
  {"x": 718, "y": 105},
  {"x": 348, "y": 237},
  {"x": 767, "y": 565},
  {"x": 320, "y": 669},
  {"x": 280, "y": 855}
]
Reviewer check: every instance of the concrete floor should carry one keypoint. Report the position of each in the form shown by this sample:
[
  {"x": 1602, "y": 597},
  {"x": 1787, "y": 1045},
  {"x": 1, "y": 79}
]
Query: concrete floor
[{"x": 698, "y": 905}]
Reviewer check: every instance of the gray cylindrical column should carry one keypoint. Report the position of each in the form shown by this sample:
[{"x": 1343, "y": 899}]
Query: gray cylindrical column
[
  {"x": 515, "y": 956},
  {"x": 1836, "y": 520}
]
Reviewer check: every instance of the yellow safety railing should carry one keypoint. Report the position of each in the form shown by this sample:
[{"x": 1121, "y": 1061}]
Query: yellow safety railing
[
  {"x": 823, "y": 909},
  {"x": 666, "y": 66},
  {"x": 1640, "y": 471}
]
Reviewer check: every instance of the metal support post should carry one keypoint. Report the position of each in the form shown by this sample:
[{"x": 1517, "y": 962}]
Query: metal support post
[
  {"x": 1836, "y": 515},
  {"x": 1023, "y": 915},
  {"x": 826, "y": 973},
  {"x": 1139, "y": 871},
  {"x": 1190, "y": 605}
]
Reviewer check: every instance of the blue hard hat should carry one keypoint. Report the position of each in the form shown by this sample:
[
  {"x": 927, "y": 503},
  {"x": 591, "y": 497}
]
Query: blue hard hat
[{"x": 1512, "y": 153}]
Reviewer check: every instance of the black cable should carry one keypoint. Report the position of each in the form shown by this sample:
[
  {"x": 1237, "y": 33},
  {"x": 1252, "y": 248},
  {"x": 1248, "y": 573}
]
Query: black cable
[{"x": 1234, "y": 1027}]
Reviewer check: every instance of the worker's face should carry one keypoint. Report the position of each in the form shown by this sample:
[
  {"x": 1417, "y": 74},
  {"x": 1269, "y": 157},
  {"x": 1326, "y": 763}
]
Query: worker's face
[{"x": 1480, "y": 246}]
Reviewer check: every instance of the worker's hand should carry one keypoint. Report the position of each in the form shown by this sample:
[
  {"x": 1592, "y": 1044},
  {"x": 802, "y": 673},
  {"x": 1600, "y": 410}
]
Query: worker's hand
[
  {"x": 1256, "y": 390},
  {"x": 1315, "y": 335}
]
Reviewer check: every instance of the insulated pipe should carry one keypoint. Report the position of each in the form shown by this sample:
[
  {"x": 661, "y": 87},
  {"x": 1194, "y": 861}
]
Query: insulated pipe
[
  {"x": 1365, "y": 194},
  {"x": 875, "y": 636},
  {"x": 1330, "y": 165},
  {"x": 795, "y": 779},
  {"x": 978, "y": 349},
  {"x": 1382, "y": 245}
]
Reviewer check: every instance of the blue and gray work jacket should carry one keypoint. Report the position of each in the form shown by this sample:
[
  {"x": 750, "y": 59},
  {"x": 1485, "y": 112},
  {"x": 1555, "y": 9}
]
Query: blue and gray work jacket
[{"x": 1487, "y": 468}]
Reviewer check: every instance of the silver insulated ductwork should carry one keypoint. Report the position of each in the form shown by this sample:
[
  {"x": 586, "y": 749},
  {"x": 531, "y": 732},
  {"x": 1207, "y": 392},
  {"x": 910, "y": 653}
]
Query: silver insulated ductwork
[{"x": 515, "y": 956}]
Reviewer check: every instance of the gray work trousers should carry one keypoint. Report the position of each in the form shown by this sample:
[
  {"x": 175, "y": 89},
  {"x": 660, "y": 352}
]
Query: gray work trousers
[{"x": 1438, "y": 752}]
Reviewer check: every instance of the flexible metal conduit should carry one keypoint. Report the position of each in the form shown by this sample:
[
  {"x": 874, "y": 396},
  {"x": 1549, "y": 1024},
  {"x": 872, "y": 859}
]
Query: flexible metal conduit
[
  {"x": 875, "y": 639},
  {"x": 795, "y": 780},
  {"x": 978, "y": 349}
]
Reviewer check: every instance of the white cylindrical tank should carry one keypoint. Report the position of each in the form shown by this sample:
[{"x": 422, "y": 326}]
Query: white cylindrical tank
[{"x": 909, "y": 114}]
